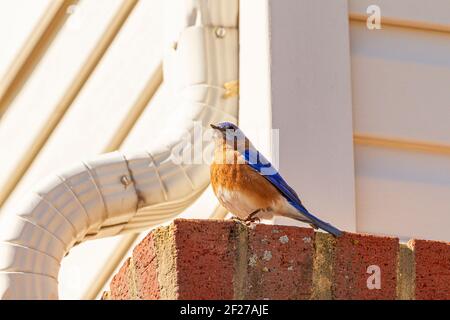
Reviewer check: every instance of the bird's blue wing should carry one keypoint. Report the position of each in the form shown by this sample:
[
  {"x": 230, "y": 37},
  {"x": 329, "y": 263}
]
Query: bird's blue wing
[{"x": 259, "y": 163}]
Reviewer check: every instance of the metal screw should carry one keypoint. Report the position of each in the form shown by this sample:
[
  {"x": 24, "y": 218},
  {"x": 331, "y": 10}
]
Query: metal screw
[
  {"x": 125, "y": 181},
  {"x": 221, "y": 32}
]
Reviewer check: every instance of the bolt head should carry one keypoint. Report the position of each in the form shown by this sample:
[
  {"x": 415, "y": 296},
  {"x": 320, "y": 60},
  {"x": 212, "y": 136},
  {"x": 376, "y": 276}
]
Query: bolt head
[
  {"x": 125, "y": 181},
  {"x": 221, "y": 32}
]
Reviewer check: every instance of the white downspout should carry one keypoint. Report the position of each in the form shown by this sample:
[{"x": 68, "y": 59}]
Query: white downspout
[{"x": 117, "y": 193}]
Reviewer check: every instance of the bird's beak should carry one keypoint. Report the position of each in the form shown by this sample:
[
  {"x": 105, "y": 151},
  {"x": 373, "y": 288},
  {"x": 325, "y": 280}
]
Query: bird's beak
[{"x": 216, "y": 127}]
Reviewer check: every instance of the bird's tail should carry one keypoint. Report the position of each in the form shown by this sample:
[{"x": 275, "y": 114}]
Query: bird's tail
[
  {"x": 326, "y": 227},
  {"x": 307, "y": 217}
]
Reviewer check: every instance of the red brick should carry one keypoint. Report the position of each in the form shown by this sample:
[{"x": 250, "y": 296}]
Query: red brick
[
  {"x": 280, "y": 262},
  {"x": 354, "y": 253},
  {"x": 205, "y": 258},
  {"x": 432, "y": 269},
  {"x": 146, "y": 266},
  {"x": 120, "y": 284}
]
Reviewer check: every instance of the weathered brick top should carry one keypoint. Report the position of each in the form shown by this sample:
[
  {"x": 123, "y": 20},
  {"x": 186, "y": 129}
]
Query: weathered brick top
[{"x": 212, "y": 259}]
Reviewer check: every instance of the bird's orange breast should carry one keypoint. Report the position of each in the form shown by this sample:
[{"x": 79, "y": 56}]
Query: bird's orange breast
[{"x": 243, "y": 179}]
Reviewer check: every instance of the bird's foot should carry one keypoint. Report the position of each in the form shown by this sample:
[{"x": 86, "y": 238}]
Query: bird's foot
[
  {"x": 247, "y": 221},
  {"x": 239, "y": 220},
  {"x": 250, "y": 220}
]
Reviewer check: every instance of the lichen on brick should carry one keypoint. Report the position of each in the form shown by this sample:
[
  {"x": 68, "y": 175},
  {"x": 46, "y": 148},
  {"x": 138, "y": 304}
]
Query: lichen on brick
[
  {"x": 284, "y": 239},
  {"x": 267, "y": 256},
  {"x": 252, "y": 260}
]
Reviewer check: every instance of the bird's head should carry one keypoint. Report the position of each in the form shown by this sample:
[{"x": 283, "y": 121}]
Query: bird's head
[
  {"x": 224, "y": 126},
  {"x": 227, "y": 132}
]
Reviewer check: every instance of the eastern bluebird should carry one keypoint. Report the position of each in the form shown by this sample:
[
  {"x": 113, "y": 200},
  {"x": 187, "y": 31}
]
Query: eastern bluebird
[{"x": 248, "y": 186}]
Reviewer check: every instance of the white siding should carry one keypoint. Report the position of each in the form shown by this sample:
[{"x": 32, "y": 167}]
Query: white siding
[
  {"x": 18, "y": 19},
  {"x": 401, "y": 112},
  {"x": 45, "y": 96},
  {"x": 105, "y": 107},
  {"x": 415, "y": 13}
]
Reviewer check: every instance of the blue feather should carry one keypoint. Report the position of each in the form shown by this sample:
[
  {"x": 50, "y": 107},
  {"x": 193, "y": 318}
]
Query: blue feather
[{"x": 259, "y": 163}]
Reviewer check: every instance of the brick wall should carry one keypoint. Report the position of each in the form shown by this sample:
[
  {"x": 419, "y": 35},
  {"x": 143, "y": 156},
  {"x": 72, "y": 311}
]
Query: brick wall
[{"x": 209, "y": 259}]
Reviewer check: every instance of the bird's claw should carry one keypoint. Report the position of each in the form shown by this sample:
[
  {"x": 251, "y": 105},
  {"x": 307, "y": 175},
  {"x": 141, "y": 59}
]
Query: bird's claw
[
  {"x": 237, "y": 219},
  {"x": 251, "y": 219},
  {"x": 247, "y": 221}
]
